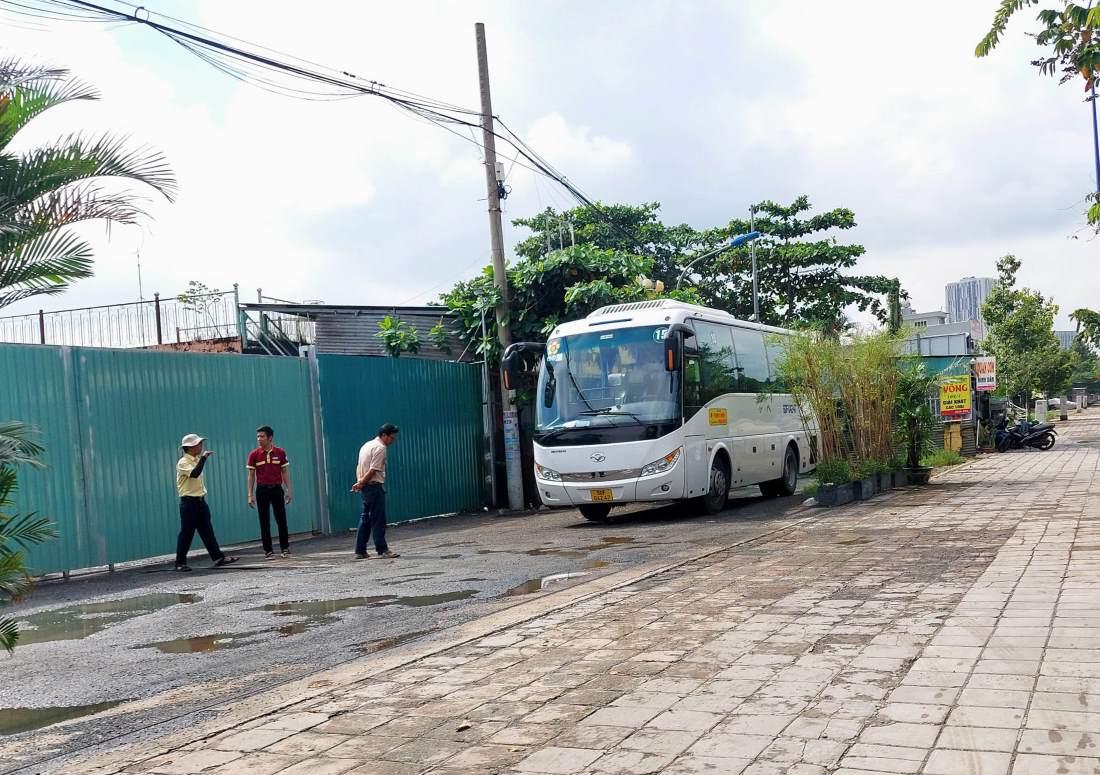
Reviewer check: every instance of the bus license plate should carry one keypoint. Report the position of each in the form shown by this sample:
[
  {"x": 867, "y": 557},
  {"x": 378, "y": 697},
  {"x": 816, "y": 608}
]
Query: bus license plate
[{"x": 601, "y": 495}]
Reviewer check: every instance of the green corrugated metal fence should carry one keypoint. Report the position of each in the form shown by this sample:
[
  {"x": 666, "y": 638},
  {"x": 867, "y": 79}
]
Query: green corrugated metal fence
[
  {"x": 110, "y": 421},
  {"x": 435, "y": 467}
]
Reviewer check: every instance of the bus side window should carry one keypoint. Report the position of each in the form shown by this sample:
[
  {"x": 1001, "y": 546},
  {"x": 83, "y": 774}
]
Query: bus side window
[
  {"x": 776, "y": 345},
  {"x": 752, "y": 360},
  {"x": 718, "y": 363}
]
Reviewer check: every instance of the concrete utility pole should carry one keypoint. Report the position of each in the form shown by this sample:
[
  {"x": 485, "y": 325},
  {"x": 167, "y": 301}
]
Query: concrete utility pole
[{"x": 513, "y": 465}]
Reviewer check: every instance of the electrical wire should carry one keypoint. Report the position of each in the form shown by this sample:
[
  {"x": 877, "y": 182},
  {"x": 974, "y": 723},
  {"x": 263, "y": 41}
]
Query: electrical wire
[{"x": 308, "y": 80}]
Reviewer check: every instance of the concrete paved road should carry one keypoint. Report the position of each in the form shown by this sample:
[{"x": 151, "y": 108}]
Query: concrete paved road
[{"x": 164, "y": 645}]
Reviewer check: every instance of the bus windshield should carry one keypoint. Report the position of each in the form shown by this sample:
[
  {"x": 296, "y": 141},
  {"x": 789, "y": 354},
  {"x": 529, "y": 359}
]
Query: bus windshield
[{"x": 606, "y": 379}]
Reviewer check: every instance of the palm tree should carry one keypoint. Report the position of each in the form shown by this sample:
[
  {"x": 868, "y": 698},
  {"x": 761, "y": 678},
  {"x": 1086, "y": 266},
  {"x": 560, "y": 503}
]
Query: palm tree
[
  {"x": 45, "y": 190},
  {"x": 18, "y": 532}
]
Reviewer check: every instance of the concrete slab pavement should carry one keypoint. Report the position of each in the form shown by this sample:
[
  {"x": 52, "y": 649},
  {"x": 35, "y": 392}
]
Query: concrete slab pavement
[{"x": 950, "y": 629}]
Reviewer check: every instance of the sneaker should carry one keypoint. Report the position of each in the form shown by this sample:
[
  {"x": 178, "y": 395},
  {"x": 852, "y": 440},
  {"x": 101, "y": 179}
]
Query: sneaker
[
  {"x": 388, "y": 556},
  {"x": 183, "y": 568},
  {"x": 362, "y": 556},
  {"x": 269, "y": 555},
  {"x": 286, "y": 553},
  {"x": 225, "y": 560}
]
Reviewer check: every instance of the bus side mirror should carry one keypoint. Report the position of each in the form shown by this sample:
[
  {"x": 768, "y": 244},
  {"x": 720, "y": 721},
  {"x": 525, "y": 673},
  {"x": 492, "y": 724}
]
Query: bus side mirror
[
  {"x": 516, "y": 362},
  {"x": 674, "y": 346}
]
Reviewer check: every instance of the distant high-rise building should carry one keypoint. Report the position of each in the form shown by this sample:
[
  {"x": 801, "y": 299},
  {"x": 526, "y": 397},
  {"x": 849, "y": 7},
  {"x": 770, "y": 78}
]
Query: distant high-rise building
[
  {"x": 1065, "y": 338},
  {"x": 965, "y": 299}
]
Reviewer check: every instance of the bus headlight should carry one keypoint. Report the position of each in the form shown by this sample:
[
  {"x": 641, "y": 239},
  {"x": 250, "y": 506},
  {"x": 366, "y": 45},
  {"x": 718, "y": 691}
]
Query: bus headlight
[
  {"x": 548, "y": 474},
  {"x": 662, "y": 465}
]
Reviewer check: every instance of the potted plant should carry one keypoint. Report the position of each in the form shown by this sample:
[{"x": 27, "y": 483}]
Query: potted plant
[
  {"x": 834, "y": 483},
  {"x": 898, "y": 477},
  {"x": 865, "y": 480},
  {"x": 915, "y": 420},
  {"x": 880, "y": 473}
]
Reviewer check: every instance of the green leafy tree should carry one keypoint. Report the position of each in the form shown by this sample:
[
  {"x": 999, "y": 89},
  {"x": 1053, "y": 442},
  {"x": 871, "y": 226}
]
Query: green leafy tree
[
  {"x": 803, "y": 273},
  {"x": 46, "y": 190},
  {"x": 398, "y": 336},
  {"x": 1088, "y": 326},
  {"x": 440, "y": 337},
  {"x": 18, "y": 532},
  {"x": 1020, "y": 333},
  {"x": 1086, "y": 367},
  {"x": 633, "y": 229},
  {"x": 1067, "y": 33},
  {"x": 545, "y": 291}
]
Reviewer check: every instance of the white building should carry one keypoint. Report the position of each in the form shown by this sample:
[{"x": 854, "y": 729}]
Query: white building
[
  {"x": 1065, "y": 338},
  {"x": 921, "y": 319},
  {"x": 931, "y": 335},
  {"x": 965, "y": 299}
]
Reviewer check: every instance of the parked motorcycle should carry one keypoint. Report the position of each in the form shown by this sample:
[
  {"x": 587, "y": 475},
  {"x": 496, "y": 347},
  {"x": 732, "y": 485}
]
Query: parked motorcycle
[{"x": 1024, "y": 434}]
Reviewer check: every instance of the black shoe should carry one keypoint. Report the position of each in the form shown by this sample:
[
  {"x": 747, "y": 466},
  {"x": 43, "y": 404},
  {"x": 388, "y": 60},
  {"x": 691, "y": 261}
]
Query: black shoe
[
  {"x": 225, "y": 560},
  {"x": 362, "y": 556},
  {"x": 183, "y": 568},
  {"x": 269, "y": 555}
]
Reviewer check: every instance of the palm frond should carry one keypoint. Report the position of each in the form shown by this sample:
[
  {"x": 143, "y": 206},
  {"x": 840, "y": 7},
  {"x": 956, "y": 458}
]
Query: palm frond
[
  {"x": 24, "y": 531},
  {"x": 14, "y": 581},
  {"x": 43, "y": 265},
  {"x": 15, "y": 72},
  {"x": 16, "y": 445},
  {"x": 9, "y": 634},
  {"x": 77, "y": 158},
  {"x": 32, "y": 96},
  {"x": 85, "y": 201}
]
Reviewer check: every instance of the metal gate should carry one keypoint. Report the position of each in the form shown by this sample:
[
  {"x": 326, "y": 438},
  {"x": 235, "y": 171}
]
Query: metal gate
[{"x": 436, "y": 465}]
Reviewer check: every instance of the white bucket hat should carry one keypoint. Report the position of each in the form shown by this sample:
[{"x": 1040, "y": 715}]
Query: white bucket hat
[{"x": 191, "y": 440}]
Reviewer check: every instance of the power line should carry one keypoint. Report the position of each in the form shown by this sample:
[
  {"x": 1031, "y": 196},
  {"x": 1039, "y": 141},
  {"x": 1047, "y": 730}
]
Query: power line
[{"x": 257, "y": 69}]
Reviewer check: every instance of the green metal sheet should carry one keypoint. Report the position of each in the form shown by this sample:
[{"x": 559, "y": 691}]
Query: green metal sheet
[
  {"x": 435, "y": 465},
  {"x": 111, "y": 422}
]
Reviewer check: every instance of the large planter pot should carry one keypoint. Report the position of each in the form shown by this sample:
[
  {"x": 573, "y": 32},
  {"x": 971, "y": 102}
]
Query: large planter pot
[
  {"x": 865, "y": 489},
  {"x": 884, "y": 482},
  {"x": 899, "y": 477},
  {"x": 834, "y": 494},
  {"x": 918, "y": 475}
]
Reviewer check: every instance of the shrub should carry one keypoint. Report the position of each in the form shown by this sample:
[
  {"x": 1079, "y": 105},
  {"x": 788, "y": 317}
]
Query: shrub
[
  {"x": 835, "y": 471},
  {"x": 941, "y": 458}
]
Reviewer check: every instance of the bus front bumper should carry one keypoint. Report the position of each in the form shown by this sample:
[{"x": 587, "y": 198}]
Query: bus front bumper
[{"x": 659, "y": 487}]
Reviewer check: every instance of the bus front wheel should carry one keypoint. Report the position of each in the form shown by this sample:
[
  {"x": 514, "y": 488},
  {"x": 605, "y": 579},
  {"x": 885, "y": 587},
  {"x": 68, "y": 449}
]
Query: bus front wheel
[
  {"x": 718, "y": 493},
  {"x": 595, "y": 512}
]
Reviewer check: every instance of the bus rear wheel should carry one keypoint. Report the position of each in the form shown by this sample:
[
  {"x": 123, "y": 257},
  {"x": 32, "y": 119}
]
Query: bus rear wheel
[
  {"x": 788, "y": 482},
  {"x": 595, "y": 512}
]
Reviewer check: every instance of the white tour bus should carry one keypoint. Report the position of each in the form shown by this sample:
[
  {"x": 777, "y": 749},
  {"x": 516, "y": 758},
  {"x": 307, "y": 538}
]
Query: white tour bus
[{"x": 660, "y": 401}]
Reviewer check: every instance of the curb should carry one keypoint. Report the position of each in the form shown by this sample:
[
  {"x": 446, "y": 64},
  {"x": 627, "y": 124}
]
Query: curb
[{"x": 245, "y": 709}]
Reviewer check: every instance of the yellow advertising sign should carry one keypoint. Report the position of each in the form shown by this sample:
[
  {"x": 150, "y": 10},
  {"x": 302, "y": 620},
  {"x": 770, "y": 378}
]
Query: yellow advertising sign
[
  {"x": 955, "y": 397},
  {"x": 718, "y": 416}
]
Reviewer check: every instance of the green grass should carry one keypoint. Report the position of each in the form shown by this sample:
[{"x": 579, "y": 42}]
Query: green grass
[{"x": 941, "y": 458}]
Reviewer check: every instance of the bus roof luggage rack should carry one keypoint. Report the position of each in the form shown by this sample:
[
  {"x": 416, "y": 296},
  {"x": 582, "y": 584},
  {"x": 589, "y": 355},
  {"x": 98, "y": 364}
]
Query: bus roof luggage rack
[{"x": 615, "y": 309}]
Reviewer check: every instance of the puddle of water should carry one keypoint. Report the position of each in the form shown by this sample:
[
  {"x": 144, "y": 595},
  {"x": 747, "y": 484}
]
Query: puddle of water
[
  {"x": 537, "y": 585},
  {"x": 474, "y": 578},
  {"x": 855, "y": 541},
  {"x": 80, "y": 621},
  {"x": 16, "y": 720},
  {"x": 218, "y": 642},
  {"x": 319, "y": 612},
  {"x": 374, "y": 646},
  {"x": 544, "y": 551},
  {"x": 449, "y": 556}
]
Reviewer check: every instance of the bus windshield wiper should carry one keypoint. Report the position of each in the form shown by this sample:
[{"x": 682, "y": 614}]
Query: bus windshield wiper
[{"x": 611, "y": 412}]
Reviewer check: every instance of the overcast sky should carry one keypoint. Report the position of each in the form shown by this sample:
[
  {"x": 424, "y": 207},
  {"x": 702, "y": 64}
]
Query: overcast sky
[{"x": 948, "y": 161}]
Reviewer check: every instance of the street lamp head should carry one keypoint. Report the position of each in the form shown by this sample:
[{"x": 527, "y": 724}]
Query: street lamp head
[{"x": 741, "y": 239}]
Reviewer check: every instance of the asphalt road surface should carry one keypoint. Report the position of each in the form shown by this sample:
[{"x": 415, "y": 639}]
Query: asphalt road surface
[{"x": 162, "y": 646}]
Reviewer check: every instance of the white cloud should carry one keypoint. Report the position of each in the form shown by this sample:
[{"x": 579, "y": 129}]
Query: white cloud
[{"x": 576, "y": 146}]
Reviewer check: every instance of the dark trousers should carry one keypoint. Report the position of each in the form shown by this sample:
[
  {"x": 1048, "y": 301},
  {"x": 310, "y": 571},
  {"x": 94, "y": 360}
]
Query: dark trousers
[
  {"x": 270, "y": 497},
  {"x": 195, "y": 517},
  {"x": 373, "y": 520}
]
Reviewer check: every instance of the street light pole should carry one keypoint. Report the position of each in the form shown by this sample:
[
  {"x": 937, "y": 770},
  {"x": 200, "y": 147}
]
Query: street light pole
[
  {"x": 735, "y": 242},
  {"x": 1095, "y": 140},
  {"x": 752, "y": 252}
]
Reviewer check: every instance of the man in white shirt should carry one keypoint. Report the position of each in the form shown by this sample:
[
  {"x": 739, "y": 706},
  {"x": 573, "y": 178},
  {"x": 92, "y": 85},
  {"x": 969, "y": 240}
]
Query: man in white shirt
[{"x": 370, "y": 479}]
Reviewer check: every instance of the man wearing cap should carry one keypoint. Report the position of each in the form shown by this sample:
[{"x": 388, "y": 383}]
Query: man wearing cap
[
  {"x": 370, "y": 473},
  {"x": 194, "y": 513}
]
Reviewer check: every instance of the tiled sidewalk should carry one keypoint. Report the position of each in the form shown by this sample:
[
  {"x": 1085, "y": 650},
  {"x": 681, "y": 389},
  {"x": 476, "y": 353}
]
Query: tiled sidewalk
[{"x": 948, "y": 630}]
